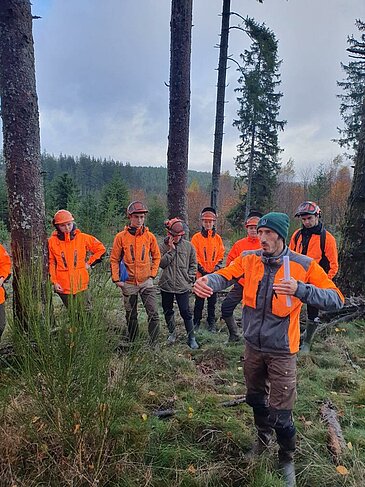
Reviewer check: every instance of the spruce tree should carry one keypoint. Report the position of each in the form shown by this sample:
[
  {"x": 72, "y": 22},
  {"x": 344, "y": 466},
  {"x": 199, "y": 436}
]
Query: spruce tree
[
  {"x": 353, "y": 90},
  {"x": 258, "y": 161}
]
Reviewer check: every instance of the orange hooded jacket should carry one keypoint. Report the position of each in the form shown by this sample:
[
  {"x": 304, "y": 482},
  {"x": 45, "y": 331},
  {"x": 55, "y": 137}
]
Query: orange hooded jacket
[
  {"x": 5, "y": 269},
  {"x": 314, "y": 250},
  {"x": 68, "y": 254},
  {"x": 209, "y": 251},
  {"x": 139, "y": 249}
]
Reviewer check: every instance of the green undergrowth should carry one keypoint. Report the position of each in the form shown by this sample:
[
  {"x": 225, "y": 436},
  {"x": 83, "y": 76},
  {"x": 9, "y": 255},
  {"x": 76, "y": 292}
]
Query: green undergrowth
[{"x": 79, "y": 407}]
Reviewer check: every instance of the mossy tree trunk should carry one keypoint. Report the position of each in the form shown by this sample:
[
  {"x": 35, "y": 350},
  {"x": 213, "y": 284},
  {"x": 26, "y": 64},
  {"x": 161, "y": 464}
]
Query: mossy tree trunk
[
  {"x": 351, "y": 277},
  {"x": 20, "y": 116},
  {"x": 178, "y": 146}
]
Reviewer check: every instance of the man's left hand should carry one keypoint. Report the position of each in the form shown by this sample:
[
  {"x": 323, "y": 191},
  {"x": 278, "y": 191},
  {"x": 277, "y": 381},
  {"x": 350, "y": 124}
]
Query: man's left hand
[{"x": 288, "y": 288}]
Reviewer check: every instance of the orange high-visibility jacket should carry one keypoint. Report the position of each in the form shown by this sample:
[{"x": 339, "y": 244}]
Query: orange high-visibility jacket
[
  {"x": 242, "y": 245},
  {"x": 247, "y": 243},
  {"x": 314, "y": 250},
  {"x": 5, "y": 269},
  {"x": 269, "y": 324},
  {"x": 209, "y": 251},
  {"x": 139, "y": 249},
  {"x": 68, "y": 254}
]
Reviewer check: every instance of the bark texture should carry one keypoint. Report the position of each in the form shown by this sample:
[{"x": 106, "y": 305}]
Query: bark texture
[
  {"x": 351, "y": 277},
  {"x": 219, "y": 113},
  {"x": 20, "y": 116},
  {"x": 178, "y": 145}
]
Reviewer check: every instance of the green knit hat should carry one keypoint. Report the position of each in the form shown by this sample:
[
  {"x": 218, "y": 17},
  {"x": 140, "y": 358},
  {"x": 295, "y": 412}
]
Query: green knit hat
[{"x": 279, "y": 222}]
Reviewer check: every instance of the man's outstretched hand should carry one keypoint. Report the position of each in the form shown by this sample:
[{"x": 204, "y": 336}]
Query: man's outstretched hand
[{"x": 201, "y": 288}]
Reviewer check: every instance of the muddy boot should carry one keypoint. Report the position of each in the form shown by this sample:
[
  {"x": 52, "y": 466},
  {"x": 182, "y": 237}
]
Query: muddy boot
[
  {"x": 189, "y": 326},
  {"x": 308, "y": 337},
  {"x": 286, "y": 460},
  {"x": 264, "y": 435},
  {"x": 232, "y": 329}
]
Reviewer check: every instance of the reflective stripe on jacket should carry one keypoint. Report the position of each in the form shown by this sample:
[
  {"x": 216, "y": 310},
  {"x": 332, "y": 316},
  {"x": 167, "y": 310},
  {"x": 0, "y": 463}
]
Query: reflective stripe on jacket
[
  {"x": 269, "y": 324},
  {"x": 314, "y": 249},
  {"x": 68, "y": 255},
  {"x": 140, "y": 253},
  {"x": 5, "y": 269},
  {"x": 209, "y": 251},
  {"x": 179, "y": 267}
]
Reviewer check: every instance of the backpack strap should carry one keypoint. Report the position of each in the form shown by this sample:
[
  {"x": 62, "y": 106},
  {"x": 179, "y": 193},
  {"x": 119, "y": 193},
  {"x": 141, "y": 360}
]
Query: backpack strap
[
  {"x": 324, "y": 262},
  {"x": 296, "y": 238}
]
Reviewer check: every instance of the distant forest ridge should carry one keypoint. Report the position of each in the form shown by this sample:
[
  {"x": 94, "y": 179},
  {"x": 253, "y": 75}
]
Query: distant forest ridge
[{"x": 91, "y": 174}]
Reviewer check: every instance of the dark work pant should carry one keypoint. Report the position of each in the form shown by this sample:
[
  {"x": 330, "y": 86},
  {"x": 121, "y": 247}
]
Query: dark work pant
[
  {"x": 199, "y": 305},
  {"x": 149, "y": 300},
  {"x": 271, "y": 387},
  {"x": 2, "y": 318},
  {"x": 80, "y": 299},
  {"x": 312, "y": 312},
  {"x": 182, "y": 302},
  {"x": 233, "y": 298}
]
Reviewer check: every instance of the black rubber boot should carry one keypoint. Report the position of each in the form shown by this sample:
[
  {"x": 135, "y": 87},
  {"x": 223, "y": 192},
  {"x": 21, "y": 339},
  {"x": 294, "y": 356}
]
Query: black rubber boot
[
  {"x": 264, "y": 434},
  {"x": 232, "y": 329},
  {"x": 308, "y": 337},
  {"x": 286, "y": 460},
  {"x": 189, "y": 326}
]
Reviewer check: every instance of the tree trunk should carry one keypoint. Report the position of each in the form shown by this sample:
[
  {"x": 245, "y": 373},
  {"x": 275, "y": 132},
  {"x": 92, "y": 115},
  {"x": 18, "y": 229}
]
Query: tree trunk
[
  {"x": 19, "y": 110},
  {"x": 219, "y": 114},
  {"x": 351, "y": 277},
  {"x": 178, "y": 146}
]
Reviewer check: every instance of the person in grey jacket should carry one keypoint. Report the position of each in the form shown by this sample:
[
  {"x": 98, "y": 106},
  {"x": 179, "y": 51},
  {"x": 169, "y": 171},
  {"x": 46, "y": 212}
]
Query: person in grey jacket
[
  {"x": 276, "y": 281},
  {"x": 179, "y": 265}
]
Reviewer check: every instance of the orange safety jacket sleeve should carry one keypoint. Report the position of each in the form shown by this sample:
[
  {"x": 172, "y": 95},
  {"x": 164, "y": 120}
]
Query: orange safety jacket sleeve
[
  {"x": 331, "y": 253},
  {"x": 5, "y": 270},
  {"x": 96, "y": 248}
]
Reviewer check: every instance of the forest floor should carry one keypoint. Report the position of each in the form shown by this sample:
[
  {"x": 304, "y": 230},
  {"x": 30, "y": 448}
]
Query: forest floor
[{"x": 74, "y": 412}]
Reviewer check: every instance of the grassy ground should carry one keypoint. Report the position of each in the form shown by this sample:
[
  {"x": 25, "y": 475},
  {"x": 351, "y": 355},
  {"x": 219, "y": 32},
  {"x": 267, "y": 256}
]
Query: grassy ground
[{"x": 75, "y": 413}]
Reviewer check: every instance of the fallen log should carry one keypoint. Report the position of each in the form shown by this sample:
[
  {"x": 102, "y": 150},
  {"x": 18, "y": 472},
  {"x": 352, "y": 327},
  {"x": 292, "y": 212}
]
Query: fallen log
[
  {"x": 336, "y": 442},
  {"x": 167, "y": 413}
]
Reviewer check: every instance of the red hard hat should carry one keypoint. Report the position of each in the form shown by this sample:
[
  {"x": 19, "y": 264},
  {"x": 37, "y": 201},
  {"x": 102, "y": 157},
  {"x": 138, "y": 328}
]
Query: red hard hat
[
  {"x": 175, "y": 227},
  {"x": 136, "y": 207},
  {"x": 308, "y": 208},
  {"x": 62, "y": 216}
]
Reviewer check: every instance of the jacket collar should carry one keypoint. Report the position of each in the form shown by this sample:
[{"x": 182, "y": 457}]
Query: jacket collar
[
  {"x": 208, "y": 233},
  {"x": 277, "y": 260},
  {"x": 66, "y": 237}
]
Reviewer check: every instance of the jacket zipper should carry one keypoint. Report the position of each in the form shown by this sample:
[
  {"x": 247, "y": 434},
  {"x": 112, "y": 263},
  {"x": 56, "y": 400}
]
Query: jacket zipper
[
  {"x": 213, "y": 256},
  {"x": 205, "y": 254},
  {"x": 143, "y": 252},
  {"x": 264, "y": 305},
  {"x": 64, "y": 259},
  {"x": 75, "y": 259}
]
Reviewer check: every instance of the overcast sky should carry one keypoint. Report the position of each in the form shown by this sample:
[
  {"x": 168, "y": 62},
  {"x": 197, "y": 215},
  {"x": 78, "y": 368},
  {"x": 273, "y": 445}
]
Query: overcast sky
[{"x": 101, "y": 69}]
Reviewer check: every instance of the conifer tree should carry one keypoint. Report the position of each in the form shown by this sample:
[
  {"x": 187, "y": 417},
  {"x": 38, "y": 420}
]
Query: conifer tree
[
  {"x": 258, "y": 160},
  {"x": 353, "y": 90}
]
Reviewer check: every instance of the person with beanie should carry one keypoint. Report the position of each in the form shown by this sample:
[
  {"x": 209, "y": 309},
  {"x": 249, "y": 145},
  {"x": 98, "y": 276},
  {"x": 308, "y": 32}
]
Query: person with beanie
[
  {"x": 71, "y": 254},
  {"x": 210, "y": 253},
  {"x": 234, "y": 297},
  {"x": 178, "y": 264},
  {"x": 270, "y": 318},
  {"x": 316, "y": 242}
]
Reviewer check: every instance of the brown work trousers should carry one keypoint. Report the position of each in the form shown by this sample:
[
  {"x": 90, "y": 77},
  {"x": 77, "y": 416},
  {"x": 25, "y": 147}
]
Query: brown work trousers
[{"x": 270, "y": 378}]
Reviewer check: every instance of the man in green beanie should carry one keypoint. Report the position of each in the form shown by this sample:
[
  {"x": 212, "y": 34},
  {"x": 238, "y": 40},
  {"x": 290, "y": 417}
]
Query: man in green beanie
[{"x": 270, "y": 319}]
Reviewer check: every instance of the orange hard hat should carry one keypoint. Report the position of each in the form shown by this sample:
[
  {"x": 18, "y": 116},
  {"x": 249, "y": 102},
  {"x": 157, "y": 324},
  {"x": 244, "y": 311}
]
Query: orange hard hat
[
  {"x": 175, "y": 227},
  {"x": 252, "y": 221},
  {"x": 208, "y": 213},
  {"x": 62, "y": 216},
  {"x": 136, "y": 207}
]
